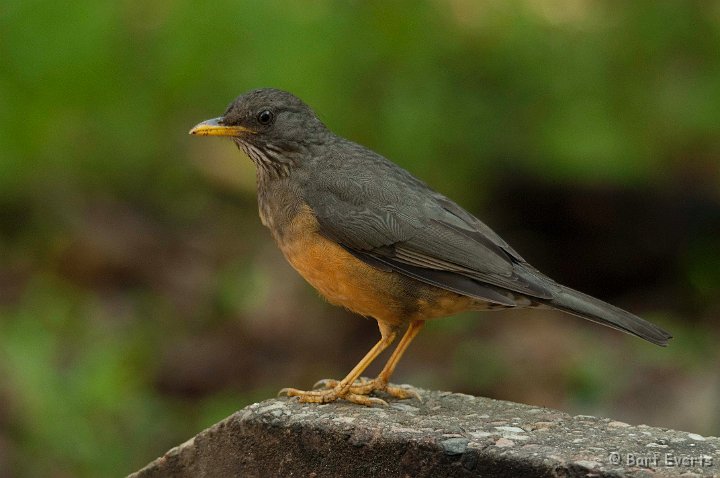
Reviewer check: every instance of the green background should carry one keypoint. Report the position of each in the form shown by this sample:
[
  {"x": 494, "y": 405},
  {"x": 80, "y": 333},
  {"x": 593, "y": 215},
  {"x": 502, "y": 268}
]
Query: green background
[{"x": 141, "y": 300}]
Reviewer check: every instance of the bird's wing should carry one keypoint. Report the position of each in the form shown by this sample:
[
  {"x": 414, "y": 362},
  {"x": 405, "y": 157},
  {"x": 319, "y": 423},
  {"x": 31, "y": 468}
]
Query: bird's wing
[{"x": 395, "y": 222}]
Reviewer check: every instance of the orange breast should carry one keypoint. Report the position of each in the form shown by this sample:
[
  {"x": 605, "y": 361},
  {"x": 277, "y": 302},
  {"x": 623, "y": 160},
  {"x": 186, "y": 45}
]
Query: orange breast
[{"x": 347, "y": 281}]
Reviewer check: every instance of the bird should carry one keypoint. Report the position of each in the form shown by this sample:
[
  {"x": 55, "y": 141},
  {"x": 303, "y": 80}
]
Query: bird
[{"x": 371, "y": 237}]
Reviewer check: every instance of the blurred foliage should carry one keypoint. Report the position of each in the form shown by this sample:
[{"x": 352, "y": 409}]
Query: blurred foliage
[{"x": 141, "y": 301}]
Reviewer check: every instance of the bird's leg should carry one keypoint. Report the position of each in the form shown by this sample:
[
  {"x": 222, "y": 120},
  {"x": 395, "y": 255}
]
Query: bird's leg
[
  {"x": 364, "y": 386},
  {"x": 342, "y": 389}
]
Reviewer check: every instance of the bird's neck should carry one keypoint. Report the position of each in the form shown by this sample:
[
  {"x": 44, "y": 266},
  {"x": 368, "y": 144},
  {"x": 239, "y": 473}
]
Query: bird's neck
[{"x": 279, "y": 201}]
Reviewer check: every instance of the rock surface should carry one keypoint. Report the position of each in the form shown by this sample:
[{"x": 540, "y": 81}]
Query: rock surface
[{"x": 444, "y": 435}]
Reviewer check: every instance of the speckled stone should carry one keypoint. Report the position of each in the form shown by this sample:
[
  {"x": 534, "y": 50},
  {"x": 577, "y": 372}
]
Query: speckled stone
[{"x": 443, "y": 435}]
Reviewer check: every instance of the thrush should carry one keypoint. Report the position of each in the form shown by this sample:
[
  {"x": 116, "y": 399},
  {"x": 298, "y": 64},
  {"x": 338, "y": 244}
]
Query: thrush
[{"x": 372, "y": 238}]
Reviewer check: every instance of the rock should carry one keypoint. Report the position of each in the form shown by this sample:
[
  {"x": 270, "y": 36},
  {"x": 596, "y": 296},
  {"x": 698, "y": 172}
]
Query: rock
[{"x": 445, "y": 434}]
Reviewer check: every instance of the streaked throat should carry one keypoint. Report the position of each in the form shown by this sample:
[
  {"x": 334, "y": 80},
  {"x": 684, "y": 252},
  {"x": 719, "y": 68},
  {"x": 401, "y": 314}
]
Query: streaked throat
[{"x": 268, "y": 158}]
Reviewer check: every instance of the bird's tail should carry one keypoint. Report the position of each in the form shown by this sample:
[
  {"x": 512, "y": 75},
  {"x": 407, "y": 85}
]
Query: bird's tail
[{"x": 590, "y": 308}]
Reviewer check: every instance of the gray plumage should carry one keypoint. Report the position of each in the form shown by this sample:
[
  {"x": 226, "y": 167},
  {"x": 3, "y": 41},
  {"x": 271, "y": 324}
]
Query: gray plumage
[{"x": 386, "y": 217}]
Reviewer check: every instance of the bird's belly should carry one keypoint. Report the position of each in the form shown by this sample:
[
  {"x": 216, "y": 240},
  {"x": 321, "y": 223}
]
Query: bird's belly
[{"x": 347, "y": 281}]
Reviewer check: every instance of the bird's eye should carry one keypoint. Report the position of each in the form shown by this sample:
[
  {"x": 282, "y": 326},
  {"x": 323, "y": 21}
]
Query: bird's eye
[{"x": 265, "y": 117}]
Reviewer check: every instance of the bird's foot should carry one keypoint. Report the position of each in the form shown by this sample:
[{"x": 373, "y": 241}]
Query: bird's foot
[
  {"x": 332, "y": 394},
  {"x": 365, "y": 386}
]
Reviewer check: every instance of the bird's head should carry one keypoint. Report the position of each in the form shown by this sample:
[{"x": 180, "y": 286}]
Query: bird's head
[{"x": 272, "y": 126}]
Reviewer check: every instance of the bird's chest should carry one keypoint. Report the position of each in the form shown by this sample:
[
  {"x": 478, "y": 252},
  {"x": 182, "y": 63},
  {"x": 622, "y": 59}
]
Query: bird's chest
[
  {"x": 347, "y": 281},
  {"x": 336, "y": 274}
]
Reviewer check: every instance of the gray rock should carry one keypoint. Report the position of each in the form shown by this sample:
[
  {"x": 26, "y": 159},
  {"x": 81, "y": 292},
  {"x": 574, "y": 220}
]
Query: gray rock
[{"x": 444, "y": 435}]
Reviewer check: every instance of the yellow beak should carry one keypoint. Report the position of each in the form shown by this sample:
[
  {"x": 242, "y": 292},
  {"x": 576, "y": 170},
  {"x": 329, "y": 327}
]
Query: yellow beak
[{"x": 214, "y": 127}]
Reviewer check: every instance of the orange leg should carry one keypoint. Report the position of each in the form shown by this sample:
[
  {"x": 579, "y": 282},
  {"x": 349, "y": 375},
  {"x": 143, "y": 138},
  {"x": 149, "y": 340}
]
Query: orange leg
[
  {"x": 342, "y": 389},
  {"x": 365, "y": 387}
]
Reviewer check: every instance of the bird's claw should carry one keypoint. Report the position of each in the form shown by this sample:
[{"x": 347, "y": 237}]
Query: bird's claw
[
  {"x": 286, "y": 392},
  {"x": 402, "y": 393},
  {"x": 331, "y": 395},
  {"x": 325, "y": 383},
  {"x": 332, "y": 383},
  {"x": 364, "y": 386}
]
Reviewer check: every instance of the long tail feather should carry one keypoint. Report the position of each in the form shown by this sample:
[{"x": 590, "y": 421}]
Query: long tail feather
[{"x": 590, "y": 308}]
